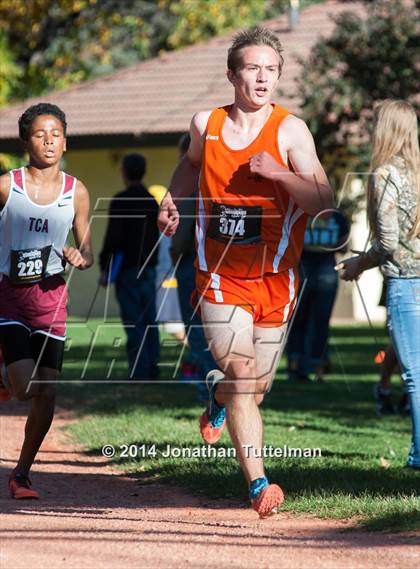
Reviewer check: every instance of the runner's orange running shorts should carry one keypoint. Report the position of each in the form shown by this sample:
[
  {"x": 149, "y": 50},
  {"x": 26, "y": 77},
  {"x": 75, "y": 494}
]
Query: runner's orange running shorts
[{"x": 270, "y": 299}]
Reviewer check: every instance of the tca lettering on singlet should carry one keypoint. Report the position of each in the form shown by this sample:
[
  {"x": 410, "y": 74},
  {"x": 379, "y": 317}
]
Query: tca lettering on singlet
[{"x": 38, "y": 225}]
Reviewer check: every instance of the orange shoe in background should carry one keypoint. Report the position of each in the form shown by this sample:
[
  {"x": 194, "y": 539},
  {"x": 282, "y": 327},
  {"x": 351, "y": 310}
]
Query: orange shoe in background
[
  {"x": 211, "y": 434},
  {"x": 379, "y": 358},
  {"x": 213, "y": 420},
  {"x": 20, "y": 487}
]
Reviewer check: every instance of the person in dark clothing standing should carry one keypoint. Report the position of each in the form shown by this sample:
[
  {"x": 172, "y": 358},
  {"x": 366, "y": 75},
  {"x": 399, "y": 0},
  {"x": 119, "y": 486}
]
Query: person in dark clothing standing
[
  {"x": 128, "y": 258},
  {"x": 307, "y": 346},
  {"x": 199, "y": 359}
]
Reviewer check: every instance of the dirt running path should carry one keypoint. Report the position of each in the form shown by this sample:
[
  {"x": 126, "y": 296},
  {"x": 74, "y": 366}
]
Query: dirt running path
[{"x": 91, "y": 516}]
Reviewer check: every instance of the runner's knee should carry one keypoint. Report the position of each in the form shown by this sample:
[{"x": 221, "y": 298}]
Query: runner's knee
[
  {"x": 241, "y": 368},
  {"x": 259, "y": 398},
  {"x": 26, "y": 383},
  {"x": 47, "y": 382},
  {"x": 239, "y": 381},
  {"x": 261, "y": 389},
  {"x": 22, "y": 379},
  {"x": 25, "y": 390}
]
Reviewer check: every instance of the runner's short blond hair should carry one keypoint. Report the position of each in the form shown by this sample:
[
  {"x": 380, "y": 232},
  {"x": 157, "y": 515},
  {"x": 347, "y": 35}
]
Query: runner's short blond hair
[{"x": 253, "y": 36}]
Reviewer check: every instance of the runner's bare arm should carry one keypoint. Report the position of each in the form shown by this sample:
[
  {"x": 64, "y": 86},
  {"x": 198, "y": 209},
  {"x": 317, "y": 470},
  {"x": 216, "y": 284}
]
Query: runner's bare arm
[
  {"x": 185, "y": 177},
  {"x": 80, "y": 257},
  {"x": 308, "y": 184},
  {"x": 4, "y": 189}
]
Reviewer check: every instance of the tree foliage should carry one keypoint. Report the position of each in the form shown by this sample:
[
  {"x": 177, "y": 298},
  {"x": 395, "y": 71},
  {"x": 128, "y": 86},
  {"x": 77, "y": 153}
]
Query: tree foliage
[
  {"x": 198, "y": 20},
  {"x": 57, "y": 44},
  {"x": 364, "y": 61},
  {"x": 10, "y": 72}
]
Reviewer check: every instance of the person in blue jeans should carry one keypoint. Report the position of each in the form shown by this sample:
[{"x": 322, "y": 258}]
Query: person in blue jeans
[
  {"x": 199, "y": 361},
  {"x": 307, "y": 345},
  {"x": 128, "y": 258},
  {"x": 394, "y": 216}
]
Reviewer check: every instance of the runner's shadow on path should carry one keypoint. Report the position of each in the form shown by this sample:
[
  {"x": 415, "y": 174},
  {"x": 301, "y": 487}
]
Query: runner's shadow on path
[
  {"x": 79, "y": 463},
  {"x": 95, "y": 494},
  {"x": 117, "y": 508}
]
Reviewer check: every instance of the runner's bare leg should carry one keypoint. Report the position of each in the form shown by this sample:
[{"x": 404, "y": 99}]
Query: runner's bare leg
[
  {"x": 230, "y": 334},
  {"x": 41, "y": 414}
]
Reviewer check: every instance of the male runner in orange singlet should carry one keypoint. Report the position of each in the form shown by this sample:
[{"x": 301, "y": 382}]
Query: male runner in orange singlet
[{"x": 258, "y": 175}]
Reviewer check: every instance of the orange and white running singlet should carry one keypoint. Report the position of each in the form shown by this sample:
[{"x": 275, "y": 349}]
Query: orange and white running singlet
[{"x": 247, "y": 226}]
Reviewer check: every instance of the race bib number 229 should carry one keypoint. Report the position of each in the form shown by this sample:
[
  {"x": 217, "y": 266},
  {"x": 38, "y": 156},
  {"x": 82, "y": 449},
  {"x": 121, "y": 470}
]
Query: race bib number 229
[{"x": 28, "y": 266}]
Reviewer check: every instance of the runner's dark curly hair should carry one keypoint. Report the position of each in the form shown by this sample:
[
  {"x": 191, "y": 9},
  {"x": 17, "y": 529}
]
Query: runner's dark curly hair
[{"x": 31, "y": 113}]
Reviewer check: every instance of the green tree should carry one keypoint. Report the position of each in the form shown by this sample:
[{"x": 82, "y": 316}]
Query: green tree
[
  {"x": 10, "y": 72},
  {"x": 365, "y": 60},
  {"x": 56, "y": 44},
  {"x": 198, "y": 20}
]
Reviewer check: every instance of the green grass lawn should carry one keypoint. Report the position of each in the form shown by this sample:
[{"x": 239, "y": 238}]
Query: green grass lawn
[{"x": 361, "y": 472}]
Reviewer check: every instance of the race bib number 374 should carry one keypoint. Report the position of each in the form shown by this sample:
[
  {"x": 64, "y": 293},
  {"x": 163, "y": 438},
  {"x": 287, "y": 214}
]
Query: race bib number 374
[
  {"x": 235, "y": 223},
  {"x": 28, "y": 266}
]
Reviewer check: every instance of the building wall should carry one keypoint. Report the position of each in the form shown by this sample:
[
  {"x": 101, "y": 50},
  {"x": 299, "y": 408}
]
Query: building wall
[
  {"x": 367, "y": 293},
  {"x": 358, "y": 302},
  {"x": 99, "y": 170}
]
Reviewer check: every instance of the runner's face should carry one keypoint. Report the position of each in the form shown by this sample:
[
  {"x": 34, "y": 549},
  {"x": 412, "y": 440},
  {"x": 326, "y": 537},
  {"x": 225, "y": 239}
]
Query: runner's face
[
  {"x": 46, "y": 142},
  {"x": 256, "y": 76}
]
